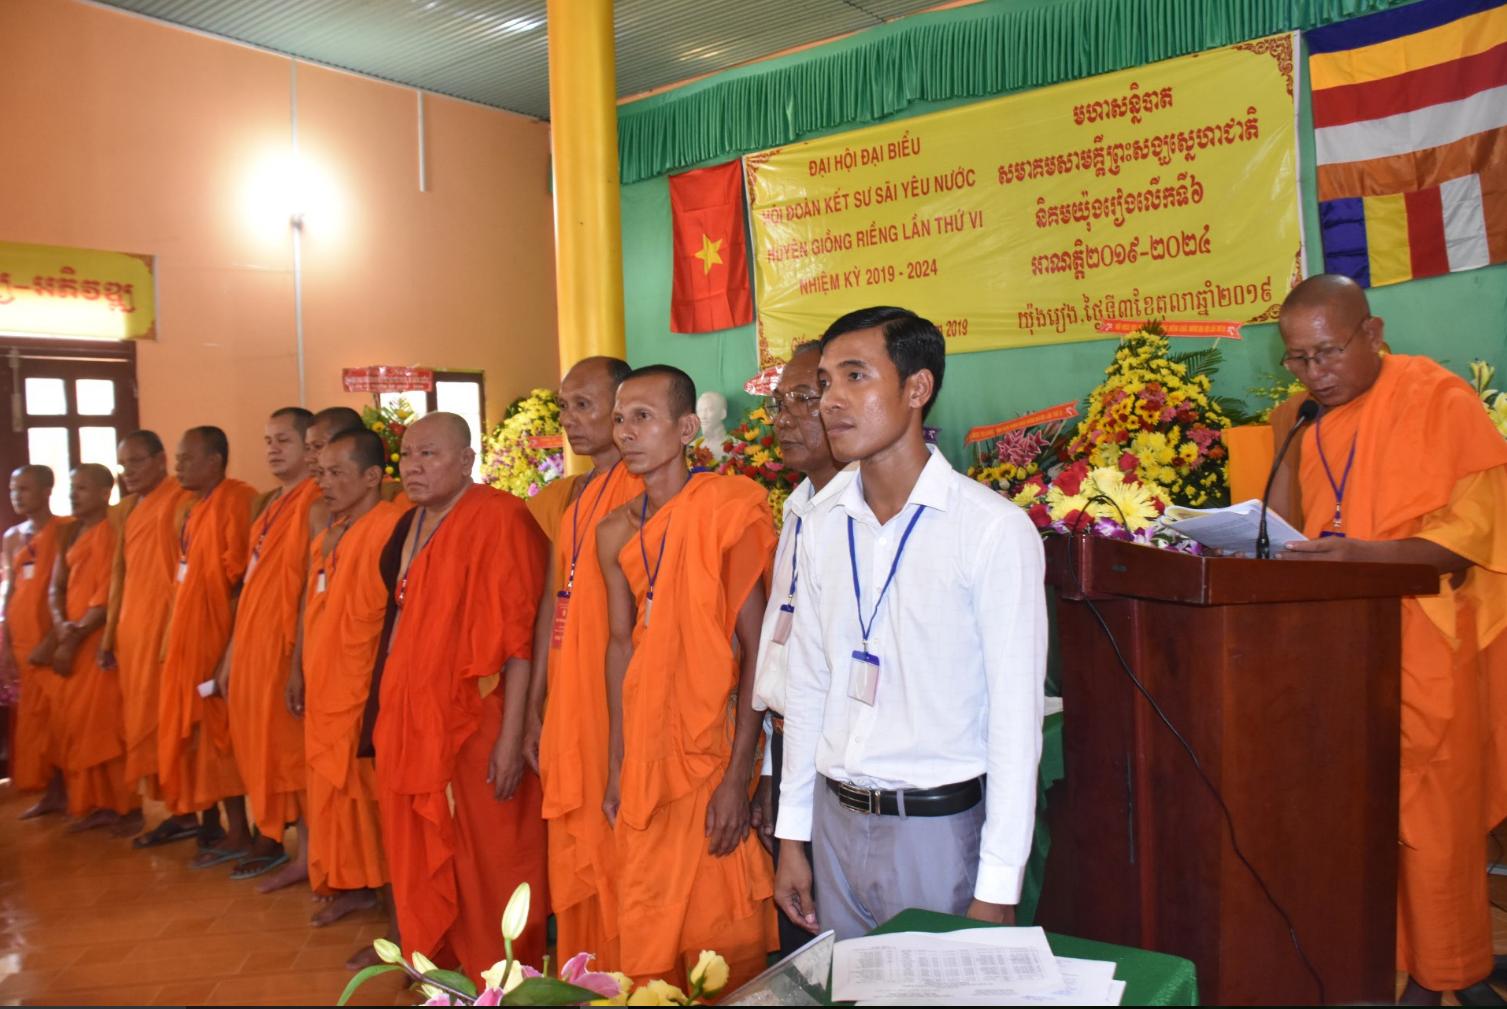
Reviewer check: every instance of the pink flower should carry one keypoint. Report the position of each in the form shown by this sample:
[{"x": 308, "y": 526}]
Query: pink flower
[{"x": 574, "y": 971}]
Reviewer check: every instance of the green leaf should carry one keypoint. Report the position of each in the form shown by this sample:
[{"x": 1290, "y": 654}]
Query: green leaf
[
  {"x": 548, "y": 991},
  {"x": 452, "y": 979},
  {"x": 364, "y": 976}
]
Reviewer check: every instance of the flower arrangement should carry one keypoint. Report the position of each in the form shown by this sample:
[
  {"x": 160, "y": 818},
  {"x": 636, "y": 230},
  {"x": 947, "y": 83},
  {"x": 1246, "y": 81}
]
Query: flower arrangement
[
  {"x": 389, "y": 422},
  {"x": 1153, "y": 416},
  {"x": 1016, "y": 457},
  {"x": 752, "y": 450},
  {"x": 1494, "y": 401},
  {"x": 1277, "y": 390},
  {"x": 525, "y": 451},
  {"x": 510, "y": 982},
  {"x": 1099, "y": 501}
]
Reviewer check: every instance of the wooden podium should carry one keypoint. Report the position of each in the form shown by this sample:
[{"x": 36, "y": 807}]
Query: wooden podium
[{"x": 1283, "y": 676}]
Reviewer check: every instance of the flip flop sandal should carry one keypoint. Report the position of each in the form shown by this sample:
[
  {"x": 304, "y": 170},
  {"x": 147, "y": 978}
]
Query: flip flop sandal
[
  {"x": 218, "y": 856},
  {"x": 165, "y": 833},
  {"x": 259, "y": 865}
]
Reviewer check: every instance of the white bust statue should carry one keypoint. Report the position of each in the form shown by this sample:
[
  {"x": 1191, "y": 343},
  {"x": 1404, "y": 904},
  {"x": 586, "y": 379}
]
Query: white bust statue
[{"x": 711, "y": 410}]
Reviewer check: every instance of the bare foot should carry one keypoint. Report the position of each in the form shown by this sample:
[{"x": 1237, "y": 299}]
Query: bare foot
[
  {"x": 345, "y": 902},
  {"x": 296, "y": 871},
  {"x": 129, "y": 825},
  {"x": 363, "y": 958},
  {"x": 95, "y": 820},
  {"x": 45, "y": 806}
]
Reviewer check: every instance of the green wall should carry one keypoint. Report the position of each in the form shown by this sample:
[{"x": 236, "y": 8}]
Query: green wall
[{"x": 1453, "y": 319}]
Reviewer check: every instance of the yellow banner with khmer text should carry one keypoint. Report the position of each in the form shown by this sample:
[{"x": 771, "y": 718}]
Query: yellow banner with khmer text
[
  {"x": 48, "y": 290},
  {"x": 1166, "y": 191}
]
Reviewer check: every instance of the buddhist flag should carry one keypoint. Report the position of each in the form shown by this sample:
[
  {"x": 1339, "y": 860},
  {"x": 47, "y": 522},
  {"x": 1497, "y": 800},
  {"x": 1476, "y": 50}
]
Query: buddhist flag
[
  {"x": 1410, "y": 128},
  {"x": 711, "y": 250}
]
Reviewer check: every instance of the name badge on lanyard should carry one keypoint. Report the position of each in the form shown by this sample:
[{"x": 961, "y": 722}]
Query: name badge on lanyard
[
  {"x": 557, "y": 626},
  {"x": 783, "y": 622},
  {"x": 28, "y": 570},
  {"x": 182, "y": 570},
  {"x": 863, "y": 674},
  {"x": 319, "y": 582}
]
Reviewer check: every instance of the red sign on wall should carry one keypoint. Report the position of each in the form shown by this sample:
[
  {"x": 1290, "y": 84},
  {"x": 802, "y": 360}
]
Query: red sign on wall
[{"x": 387, "y": 378}]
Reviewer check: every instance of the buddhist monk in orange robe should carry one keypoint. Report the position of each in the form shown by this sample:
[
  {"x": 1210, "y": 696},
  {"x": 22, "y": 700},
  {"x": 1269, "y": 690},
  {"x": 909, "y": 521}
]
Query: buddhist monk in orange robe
[
  {"x": 326, "y": 424},
  {"x": 466, "y": 568},
  {"x": 89, "y": 700},
  {"x": 1403, "y": 466},
  {"x": 345, "y": 608},
  {"x": 685, "y": 565},
  {"x": 267, "y": 736},
  {"x": 140, "y": 603},
  {"x": 566, "y": 740},
  {"x": 31, "y": 549},
  {"x": 195, "y": 765}
]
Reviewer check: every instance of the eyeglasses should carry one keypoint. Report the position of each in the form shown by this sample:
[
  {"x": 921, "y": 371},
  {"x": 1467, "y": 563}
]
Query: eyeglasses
[
  {"x": 1324, "y": 356},
  {"x": 800, "y": 404}
]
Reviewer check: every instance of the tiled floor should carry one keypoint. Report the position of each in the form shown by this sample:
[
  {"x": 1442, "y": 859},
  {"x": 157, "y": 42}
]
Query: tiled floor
[{"x": 85, "y": 919}]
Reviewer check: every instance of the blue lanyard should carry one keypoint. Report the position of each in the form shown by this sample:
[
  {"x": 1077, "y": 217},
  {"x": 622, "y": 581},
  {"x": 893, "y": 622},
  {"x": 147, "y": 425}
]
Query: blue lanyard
[
  {"x": 795, "y": 566},
  {"x": 865, "y": 628},
  {"x": 652, "y": 576},
  {"x": 575, "y": 539},
  {"x": 1338, "y": 488}
]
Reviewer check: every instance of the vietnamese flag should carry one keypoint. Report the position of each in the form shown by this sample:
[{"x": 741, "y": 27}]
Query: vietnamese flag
[{"x": 711, "y": 253}]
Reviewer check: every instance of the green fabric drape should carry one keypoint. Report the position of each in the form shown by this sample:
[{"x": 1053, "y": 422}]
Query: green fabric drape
[{"x": 978, "y": 51}]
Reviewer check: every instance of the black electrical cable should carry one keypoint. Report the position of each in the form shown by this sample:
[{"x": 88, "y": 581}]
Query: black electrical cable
[{"x": 1229, "y": 819}]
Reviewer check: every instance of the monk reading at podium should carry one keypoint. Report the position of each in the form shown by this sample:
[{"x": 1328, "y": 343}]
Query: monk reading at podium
[
  {"x": 566, "y": 739},
  {"x": 685, "y": 565},
  {"x": 1402, "y": 466},
  {"x": 460, "y": 806}
]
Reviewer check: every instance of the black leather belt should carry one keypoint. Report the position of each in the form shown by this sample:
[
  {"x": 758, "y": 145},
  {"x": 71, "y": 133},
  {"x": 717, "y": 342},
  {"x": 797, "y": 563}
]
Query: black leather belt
[{"x": 944, "y": 800}]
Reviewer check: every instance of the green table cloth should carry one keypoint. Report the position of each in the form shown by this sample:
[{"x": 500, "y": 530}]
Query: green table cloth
[{"x": 1150, "y": 978}]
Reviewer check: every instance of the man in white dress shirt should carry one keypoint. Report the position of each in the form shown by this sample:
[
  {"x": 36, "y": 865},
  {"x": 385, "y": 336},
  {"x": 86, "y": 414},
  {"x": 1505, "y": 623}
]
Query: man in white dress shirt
[
  {"x": 795, "y": 412},
  {"x": 914, "y": 696}
]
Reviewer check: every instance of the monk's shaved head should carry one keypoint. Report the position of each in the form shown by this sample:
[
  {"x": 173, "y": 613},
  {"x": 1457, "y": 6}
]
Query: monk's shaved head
[
  {"x": 148, "y": 441},
  {"x": 336, "y": 420},
  {"x": 37, "y": 472},
  {"x": 1330, "y": 339},
  {"x": 451, "y": 426},
  {"x": 609, "y": 369},
  {"x": 94, "y": 473},
  {"x": 678, "y": 387},
  {"x": 1330, "y": 291}
]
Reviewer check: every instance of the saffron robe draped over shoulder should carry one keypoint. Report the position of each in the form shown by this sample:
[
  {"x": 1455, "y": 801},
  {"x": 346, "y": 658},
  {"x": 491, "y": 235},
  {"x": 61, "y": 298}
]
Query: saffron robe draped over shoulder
[
  {"x": 573, "y": 747},
  {"x": 148, "y": 554},
  {"x": 1429, "y": 464},
  {"x": 196, "y": 767},
  {"x": 469, "y": 601},
  {"x": 94, "y": 752},
  {"x": 343, "y": 617},
  {"x": 679, "y": 707},
  {"x": 267, "y": 737},
  {"x": 549, "y": 505},
  {"x": 28, "y": 620}
]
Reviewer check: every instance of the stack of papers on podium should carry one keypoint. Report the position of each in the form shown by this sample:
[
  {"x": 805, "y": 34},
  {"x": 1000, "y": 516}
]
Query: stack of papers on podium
[
  {"x": 1232, "y": 530},
  {"x": 983, "y": 966}
]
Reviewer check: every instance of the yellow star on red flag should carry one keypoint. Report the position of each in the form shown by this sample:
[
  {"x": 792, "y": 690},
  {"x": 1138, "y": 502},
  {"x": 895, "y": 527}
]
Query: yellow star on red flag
[{"x": 709, "y": 254}]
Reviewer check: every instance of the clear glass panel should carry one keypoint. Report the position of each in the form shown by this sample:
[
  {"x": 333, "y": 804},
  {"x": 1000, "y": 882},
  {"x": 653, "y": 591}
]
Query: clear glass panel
[
  {"x": 463, "y": 398},
  {"x": 97, "y": 444},
  {"x": 46, "y": 397},
  {"x": 48, "y": 446},
  {"x": 94, "y": 396}
]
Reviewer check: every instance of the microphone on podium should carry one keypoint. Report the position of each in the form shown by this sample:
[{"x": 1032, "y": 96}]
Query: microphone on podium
[{"x": 1307, "y": 412}]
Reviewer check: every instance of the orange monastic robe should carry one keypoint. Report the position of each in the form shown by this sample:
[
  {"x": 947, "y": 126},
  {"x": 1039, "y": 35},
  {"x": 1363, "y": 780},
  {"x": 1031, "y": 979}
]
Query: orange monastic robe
[
  {"x": 573, "y": 748},
  {"x": 343, "y": 616},
  {"x": 94, "y": 753},
  {"x": 195, "y": 765},
  {"x": 674, "y": 898},
  {"x": 28, "y": 619},
  {"x": 1429, "y": 464},
  {"x": 469, "y": 600},
  {"x": 149, "y": 554},
  {"x": 549, "y": 505},
  {"x": 268, "y": 738}
]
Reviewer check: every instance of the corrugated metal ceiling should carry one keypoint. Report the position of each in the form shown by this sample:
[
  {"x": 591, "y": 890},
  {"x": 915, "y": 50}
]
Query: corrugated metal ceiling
[{"x": 494, "y": 51}]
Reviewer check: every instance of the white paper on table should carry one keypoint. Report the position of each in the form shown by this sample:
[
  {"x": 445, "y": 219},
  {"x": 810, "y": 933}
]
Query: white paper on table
[
  {"x": 1084, "y": 982},
  {"x": 1233, "y": 529},
  {"x": 988, "y": 964},
  {"x": 1116, "y": 992}
]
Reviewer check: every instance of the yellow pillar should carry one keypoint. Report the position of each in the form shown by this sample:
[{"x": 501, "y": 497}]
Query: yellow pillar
[{"x": 588, "y": 225}]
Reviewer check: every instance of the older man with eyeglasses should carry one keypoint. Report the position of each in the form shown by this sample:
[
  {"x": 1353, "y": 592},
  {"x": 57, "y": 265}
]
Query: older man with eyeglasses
[
  {"x": 1403, "y": 466},
  {"x": 795, "y": 411}
]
